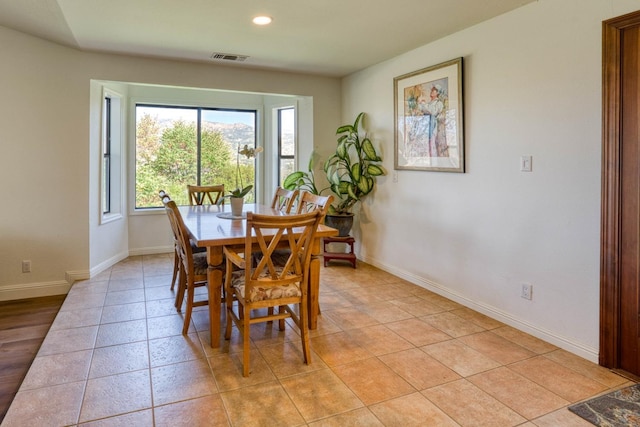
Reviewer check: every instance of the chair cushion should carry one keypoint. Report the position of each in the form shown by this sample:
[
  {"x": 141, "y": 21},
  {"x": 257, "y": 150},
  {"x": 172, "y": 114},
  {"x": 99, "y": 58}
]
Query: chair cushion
[
  {"x": 200, "y": 265},
  {"x": 259, "y": 293}
]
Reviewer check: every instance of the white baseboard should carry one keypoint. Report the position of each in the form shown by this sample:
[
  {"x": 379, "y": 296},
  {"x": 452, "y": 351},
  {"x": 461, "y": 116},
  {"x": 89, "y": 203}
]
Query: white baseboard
[
  {"x": 132, "y": 252},
  {"x": 567, "y": 344},
  {"x": 34, "y": 290},
  {"x": 107, "y": 264},
  {"x": 74, "y": 276},
  {"x": 43, "y": 289}
]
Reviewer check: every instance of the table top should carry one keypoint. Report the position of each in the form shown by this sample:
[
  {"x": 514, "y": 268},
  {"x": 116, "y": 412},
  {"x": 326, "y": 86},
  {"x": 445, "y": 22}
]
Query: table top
[{"x": 209, "y": 225}]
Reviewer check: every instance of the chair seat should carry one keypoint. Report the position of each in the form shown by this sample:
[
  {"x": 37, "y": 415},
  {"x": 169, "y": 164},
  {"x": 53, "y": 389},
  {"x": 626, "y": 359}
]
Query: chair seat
[{"x": 259, "y": 293}]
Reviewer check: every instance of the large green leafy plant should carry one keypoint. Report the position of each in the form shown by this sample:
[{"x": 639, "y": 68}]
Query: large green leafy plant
[
  {"x": 351, "y": 170},
  {"x": 303, "y": 180}
]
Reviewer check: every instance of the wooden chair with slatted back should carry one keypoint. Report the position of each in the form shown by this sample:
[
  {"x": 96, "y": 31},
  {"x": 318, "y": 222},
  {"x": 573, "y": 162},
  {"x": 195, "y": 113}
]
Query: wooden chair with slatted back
[
  {"x": 266, "y": 284},
  {"x": 197, "y": 252},
  {"x": 193, "y": 267},
  {"x": 284, "y": 199},
  {"x": 308, "y": 201},
  {"x": 176, "y": 260},
  {"x": 205, "y": 194}
]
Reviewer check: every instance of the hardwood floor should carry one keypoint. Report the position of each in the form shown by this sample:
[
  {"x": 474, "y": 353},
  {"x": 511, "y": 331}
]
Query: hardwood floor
[{"x": 23, "y": 326}]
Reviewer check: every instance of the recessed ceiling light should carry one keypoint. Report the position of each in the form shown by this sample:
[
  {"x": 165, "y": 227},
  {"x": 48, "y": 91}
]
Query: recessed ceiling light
[{"x": 262, "y": 20}]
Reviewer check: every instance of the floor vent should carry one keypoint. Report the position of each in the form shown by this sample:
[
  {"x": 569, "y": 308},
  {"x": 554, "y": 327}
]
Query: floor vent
[{"x": 229, "y": 57}]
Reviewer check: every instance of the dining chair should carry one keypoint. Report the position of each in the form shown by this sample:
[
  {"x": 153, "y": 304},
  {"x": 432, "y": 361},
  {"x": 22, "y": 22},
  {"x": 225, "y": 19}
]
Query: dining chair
[
  {"x": 193, "y": 267},
  {"x": 199, "y": 194},
  {"x": 308, "y": 201},
  {"x": 284, "y": 199},
  {"x": 176, "y": 259},
  {"x": 265, "y": 284}
]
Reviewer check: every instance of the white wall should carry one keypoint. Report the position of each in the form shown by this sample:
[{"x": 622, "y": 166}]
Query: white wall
[
  {"x": 532, "y": 86},
  {"x": 109, "y": 235},
  {"x": 45, "y": 139},
  {"x": 43, "y": 165}
]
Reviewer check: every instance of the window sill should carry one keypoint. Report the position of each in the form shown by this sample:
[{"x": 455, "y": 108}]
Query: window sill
[{"x": 110, "y": 217}]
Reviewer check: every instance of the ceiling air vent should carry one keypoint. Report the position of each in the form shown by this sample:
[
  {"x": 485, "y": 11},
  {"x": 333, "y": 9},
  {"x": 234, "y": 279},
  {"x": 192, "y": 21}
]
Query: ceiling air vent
[{"x": 229, "y": 57}]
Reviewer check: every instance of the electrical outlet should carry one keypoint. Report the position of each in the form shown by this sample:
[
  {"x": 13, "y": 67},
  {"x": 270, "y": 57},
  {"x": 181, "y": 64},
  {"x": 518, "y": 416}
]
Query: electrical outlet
[
  {"x": 26, "y": 266},
  {"x": 527, "y": 291}
]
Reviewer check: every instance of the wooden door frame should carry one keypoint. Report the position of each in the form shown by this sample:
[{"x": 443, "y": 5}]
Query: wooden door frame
[{"x": 610, "y": 284}]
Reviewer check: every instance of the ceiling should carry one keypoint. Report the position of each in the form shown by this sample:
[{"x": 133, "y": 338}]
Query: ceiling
[{"x": 326, "y": 37}]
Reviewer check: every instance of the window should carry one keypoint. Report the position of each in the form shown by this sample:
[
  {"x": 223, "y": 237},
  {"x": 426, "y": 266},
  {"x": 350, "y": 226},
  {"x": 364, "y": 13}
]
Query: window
[
  {"x": 106, "y": 157},
  {"x": 176, "y": 146},
  {"x": 286, "y": 142},
  {"x": 111, "y": 157}
]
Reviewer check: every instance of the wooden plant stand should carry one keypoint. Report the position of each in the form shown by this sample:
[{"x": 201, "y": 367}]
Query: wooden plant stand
[{"x": 344, "y": 256}]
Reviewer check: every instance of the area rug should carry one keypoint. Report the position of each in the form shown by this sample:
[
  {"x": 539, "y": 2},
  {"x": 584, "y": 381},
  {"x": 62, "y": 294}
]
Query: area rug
[{"x": 620, "y": 408}]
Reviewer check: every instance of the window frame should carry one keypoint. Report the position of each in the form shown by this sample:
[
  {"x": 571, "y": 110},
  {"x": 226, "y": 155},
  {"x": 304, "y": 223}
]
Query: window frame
[
  {"x": 280, "y": 156},
  {"x": 106, "y": 157},
  {"x": 111, "y": 122},
  {"x": 255, "y": 109}
]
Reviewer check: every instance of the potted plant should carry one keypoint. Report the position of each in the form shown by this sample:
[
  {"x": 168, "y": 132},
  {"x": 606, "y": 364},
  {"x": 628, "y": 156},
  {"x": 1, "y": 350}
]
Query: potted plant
[
  {"x": 236, "y": 197},
  {"x": 304, "y": 180},
  {"x": 351, "y": 173}
]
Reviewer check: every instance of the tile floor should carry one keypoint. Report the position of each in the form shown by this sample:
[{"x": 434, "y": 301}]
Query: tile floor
[{"x": 386, "y": 353}]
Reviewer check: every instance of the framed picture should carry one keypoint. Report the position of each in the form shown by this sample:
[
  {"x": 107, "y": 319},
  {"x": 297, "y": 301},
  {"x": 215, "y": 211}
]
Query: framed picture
[{"x": 428, "y": 119}]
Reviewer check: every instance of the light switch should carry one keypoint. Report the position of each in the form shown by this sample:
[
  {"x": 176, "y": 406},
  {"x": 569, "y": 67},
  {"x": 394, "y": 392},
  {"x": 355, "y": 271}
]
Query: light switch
[{"x": 525, "y": 163}]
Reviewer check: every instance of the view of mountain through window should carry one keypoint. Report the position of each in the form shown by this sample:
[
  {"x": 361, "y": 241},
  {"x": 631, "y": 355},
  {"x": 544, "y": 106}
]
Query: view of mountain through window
[
  {"x": 286, "y": 142},
  {"x": 177, "y": 146}
]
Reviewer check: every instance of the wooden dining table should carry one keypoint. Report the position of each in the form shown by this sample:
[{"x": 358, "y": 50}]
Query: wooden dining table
[{"x": 213, "y": 226}]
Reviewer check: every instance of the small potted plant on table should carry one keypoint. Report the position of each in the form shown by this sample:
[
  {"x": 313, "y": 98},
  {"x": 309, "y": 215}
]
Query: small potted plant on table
[{"x": 236, "y": 197}]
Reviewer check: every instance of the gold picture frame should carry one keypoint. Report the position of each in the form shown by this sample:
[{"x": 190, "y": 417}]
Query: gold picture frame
[{"x": 429, "y": 119}]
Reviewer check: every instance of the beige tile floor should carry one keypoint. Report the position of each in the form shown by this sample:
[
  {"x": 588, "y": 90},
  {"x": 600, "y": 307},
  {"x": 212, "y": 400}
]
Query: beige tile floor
[{"x": 386, "y": 353}]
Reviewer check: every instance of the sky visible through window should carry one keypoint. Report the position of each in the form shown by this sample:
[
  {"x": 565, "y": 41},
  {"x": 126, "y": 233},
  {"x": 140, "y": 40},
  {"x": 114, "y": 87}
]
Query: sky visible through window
[{"x": 187, "y": 114}]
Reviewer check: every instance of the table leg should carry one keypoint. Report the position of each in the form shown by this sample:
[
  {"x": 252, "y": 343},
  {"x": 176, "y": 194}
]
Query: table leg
[
  {"x": 314, "y": 285},
  {"x": 214, "y": 285}
]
